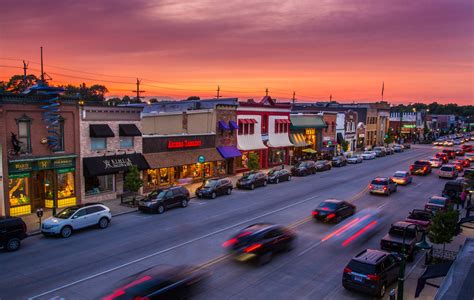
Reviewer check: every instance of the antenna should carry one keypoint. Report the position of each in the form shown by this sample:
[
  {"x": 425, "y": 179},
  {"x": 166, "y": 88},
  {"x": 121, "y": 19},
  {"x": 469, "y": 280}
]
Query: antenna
[
  {"x": 218, "y": 92},
  {"x": 138, "y": 91},
  {"x": 293, "y": 99},
  {"x": 330, "y": 98},
  {"x": 25, "y": 67}
]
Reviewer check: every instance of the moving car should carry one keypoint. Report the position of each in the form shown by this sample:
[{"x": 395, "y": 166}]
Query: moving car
[
  {"x": 436, "y": 162},
  {"x": 355, "y": 159},
  {"x": 259, "y": 242},
  {"x": 469, "y": 155},
  {"x": 466, "y": 163},
  {"x": 402, "y": 177},
  {"x": 437, "y": 203},
  {"x": 442, "y": 156},
  {"x": 450, "y": 153},
  {"x": 277, "y": 176},
  {"x": 382, "y": 185},
  {"x": 323, "y": 165},
  {"x": 369, "y": 155},
  {"x": 466, "y": 148},
  {"x": 459, "y": 165},
  {"x": 459, "y": 152},
  {"x": 339, "y": 161},
  {"x": 420, "y": 217},
  {"x": 332, "y": 210},
  {"x": 160, "y": 282},
  {"x": 214, "y": 187},
  {"x": 12, "y": 231},
  {"x": 448, "y": 143},
  {"x": 77, "y": 217},
  {"x": 379, "y": 151},
  {"x": 304, "y": 168},
  {"x": 161, "y": 200},
  {"x": 401, "y": 234},
  {"x": 251, "y": 180},
  {"x": 371, "y": 272},
  {"x": 448, "y": 171},
  {"x": 420, "y": 167}
]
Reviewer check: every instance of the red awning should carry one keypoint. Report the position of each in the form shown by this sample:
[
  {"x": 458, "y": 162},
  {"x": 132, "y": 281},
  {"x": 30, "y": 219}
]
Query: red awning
[
  {"x": 247, "y": 121},
  {"x": 282, "y": 121}
]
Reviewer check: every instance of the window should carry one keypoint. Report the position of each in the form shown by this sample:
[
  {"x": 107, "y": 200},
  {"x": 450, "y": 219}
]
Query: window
[
  {"x": 246, "y": 128},
  {"x": 99, "y": 184},
  {"x": 60, "y": 136},
  {"x": 126, "y": 142},
  {"x": 252, "y": 128},
  {"x": 80, "y": 213},
  {"x": 241, "y": 128},
  {"x": 98, "y": 143},
  {"x": 65, "y": 184},
  {"x": 94, "y": 209},
  {"x": 18, "y": 189},
  {"x": 24, "y": 130}
]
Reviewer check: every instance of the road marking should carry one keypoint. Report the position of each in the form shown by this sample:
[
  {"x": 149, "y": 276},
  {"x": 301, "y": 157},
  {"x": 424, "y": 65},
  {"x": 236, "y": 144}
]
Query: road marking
[{"x": 169, "y": 249}]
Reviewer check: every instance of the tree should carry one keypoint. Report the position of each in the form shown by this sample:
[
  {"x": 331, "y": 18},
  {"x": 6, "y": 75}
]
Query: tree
[
  {"x": 126, "y": 99},
  {"x": 18, "y": 83},
  {"x": 389, "y": 138},
  {"x": 253, "y": 162},
  {"x": 345, "y": 146},
  {"x": 132, "y": 181},
  {"x": 98, "y": 91},
  {"x": 194, "y": 98},
  {"x": 443, "y": 227}
]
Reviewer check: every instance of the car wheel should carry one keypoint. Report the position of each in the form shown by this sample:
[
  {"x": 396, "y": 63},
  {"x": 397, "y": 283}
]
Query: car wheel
[
  {"x": 229, "y": 191},
  {"x": 277, "y": 181},
  {"x": 103, "y": 223},
  {"x": 160, "y": 209},
  {"x": 184, "y": 202},
  {"x": 382, "y": 291},
  {"x": 66, "y": 231},
  {"x": 252, "y": 186},
  {"x": 213, "y": 195},
  {"x": 265, "y": 258},
  {"x": 13, "y": 244}
]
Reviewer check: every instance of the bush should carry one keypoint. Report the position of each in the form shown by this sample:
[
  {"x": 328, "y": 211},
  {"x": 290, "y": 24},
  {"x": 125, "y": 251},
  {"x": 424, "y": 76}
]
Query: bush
[
  {"x": 133, "y": 182},
  {"x": 253, "y": 162}
]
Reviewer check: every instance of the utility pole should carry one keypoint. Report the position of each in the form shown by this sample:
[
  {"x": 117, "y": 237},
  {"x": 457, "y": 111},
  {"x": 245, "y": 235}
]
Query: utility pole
[
  {"x": 293, "y": 99},
  {"x": 138, "y": 91},
  {"x": 218, "y": 95},
  {"x": 42, "y": 72},
  {"x": 330, "y": 98},
  {"x": 25, "y": 67},
  {"x": 266, "y": 92}
]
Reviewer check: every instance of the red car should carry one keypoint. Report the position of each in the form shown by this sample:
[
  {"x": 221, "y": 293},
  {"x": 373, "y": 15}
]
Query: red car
[
  {"x": 466, "y": 148},
  {"x": 451, "y": 153},
  {"x": 459, "y": 165},
  {"x": 443, "y": 156},
  {"x": 466, "y": 163}
]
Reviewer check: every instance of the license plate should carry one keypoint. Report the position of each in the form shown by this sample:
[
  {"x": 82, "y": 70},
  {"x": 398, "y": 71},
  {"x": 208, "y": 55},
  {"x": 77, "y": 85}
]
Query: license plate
[{"x": 358, "y": 278}]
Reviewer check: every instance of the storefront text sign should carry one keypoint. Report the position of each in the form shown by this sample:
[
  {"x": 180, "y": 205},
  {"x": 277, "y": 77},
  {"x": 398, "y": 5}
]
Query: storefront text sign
[
  {"x": 184, "y": 144},
  {"x": 117, "y": 163}
]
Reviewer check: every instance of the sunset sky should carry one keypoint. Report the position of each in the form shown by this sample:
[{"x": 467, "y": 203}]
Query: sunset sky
[{"x": 422, "y": 49}]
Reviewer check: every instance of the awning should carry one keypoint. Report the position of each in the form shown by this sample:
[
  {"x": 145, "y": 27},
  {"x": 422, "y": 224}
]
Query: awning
[
  {"x": 340, "y": 138},
  {"x": 229, "y": 151},
  {"x": 298, "y": 140},
  {"x": 233, "y": 125},
  {"x": 282, "y": 121},
  {"x": 309, "y": 150},
  {"x": 246, "y": 142},
  {"x": 100, "y": 131},
  {"x": 223, "y": 125},
  {"x": 278, "y": 140},
  {"x": 129, "y": 130},
  {"x": 247, "y": 121},
  {"x": 103, "y": 165},
  {"x": 307, "y": 121},
  {"x": 181, "y": 158}
]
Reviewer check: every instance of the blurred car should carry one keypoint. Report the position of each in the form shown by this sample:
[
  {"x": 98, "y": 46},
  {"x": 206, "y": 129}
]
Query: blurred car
[
  {"x": 389, "y": 150},
  {"x": 382, "y": 185},
  {"x": 355, "y": 159},
  {"x": 339, "y": 161},
  {"x": 397, "y": 148},
  {"x": 450, "y": 153},
  {"x": 420, "y": 217},
  {"x": 420, "y": 167},
  {"x": 214, "y": 187},
  {"x": 323, "y": 165},
  {"x": 448, "y": 143},
  {"x": 466, "y": 148},
  {"x": 442, "y": 156},
  {"x": 448, "y": 171},
  {"x": 332, "y": 210},
  {"x": 277, "y": 176},
  {"x": 438, "y": 142},
  {"x": 402, "y": 177},
  {"x": 437, "y": 203},
  {"x": 458, "y": 152},
  {"x": 371, "y": 272},
  {"x": 369, "y": 155},
  {"x": 379, "y": 151},
  {"x": 12, "y": 231},
  {"x": 407, "y": 146},
  {"x": 459, "y": 165},
  {"x": 466, "y": 163},
  {"x": 160, "y": 282},
  {"x": 163, "y": 199},
  {"x": 251, "y": 180},
  {"x": 457, "y": 141},
  {"x": 304, "y": 168},
  {"x": 469, "y": 155},
  {"x": 436, "y": 162},
  {"x": 259, "y": 242}
]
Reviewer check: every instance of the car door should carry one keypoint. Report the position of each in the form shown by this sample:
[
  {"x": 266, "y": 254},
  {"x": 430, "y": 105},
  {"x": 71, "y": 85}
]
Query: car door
[
  {"x": 176, "y": 197},
  {"x": 273, "y": 240},
  {"x": 79, "y": 219},
  {"x": 260, "y": 179},
  {"x": 344, "y": 210},
  {"x": 93, "y": 215},
  {"x": 221, "y": 190},
  {"x": 3, "y": 233}
]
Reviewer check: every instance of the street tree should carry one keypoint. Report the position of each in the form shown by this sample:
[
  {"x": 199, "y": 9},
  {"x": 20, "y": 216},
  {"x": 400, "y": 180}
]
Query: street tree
[
  {"x": 253, "y": 162},
  {"x": 443, "y": 227},
  {"x": 132, "y": 181}
]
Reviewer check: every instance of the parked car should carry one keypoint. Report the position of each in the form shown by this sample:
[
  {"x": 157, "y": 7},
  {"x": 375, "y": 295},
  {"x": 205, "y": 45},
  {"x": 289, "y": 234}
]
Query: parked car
[
  {"x": 77, "y": 217},
  {"x": 214, "y": 187},
  {"x": 369, "y": 155},
  {"x": 397, "y": 148},
  {"x": 323, "y": 165},
  {"x": 402, "y": 177},
  {"x": 12, "y": 231},
  {"x": 437, "y": 203},
  {"x": 259, "y": 242},
  {"x": 453, "y": 189},
  {"x": 401, "y": 234},
  {"x": 163, "y": 199},
  {"x": 304, "y": 168},
  {"x": 371, "y": 272},
  {"x": 420, "y": 217},
  {"x": 389, "y": 150},
  {"x": 339, "y": 161},
  {"x": 277, "y": 176},
  {"x": 160, "y": 282},
  {"x": 332, "y": 210},
  {"x": 442, "y": 156},
  {"x": 355, "y": 159},
  {"x": 420, "y": 167},
  {"x": 448, "y": 171},
  {"x": 379, "y": 151},
  {"x": 450, "y": 153},
  {"x": 407, "y": 146},
  {"x": 436, "y": 162},
  {"x": 382, "y": 185},
  {"x": 252, "y": 180}
]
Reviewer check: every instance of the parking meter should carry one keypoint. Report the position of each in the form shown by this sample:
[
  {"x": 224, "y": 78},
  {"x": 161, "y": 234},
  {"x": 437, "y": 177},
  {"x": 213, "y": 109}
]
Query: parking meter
[{"x": 39, "y": 214}]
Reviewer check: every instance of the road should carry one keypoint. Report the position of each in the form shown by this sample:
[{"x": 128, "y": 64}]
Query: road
[{"x": 87, "y": 265}]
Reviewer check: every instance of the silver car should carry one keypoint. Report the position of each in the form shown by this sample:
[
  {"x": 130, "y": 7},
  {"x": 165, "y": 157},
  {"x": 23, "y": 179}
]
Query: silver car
[
  {"x": 77, "y": 217},
  {"x": 355, "y": 159}
]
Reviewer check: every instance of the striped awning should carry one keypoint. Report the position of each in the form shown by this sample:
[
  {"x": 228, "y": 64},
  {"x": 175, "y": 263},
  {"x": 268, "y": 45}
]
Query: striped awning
[{"x": 298, "y": 140}]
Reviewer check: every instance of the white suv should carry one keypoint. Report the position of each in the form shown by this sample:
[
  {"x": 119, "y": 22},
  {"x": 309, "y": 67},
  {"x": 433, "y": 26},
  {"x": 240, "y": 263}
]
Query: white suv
[{"x": 77, "y": 217}]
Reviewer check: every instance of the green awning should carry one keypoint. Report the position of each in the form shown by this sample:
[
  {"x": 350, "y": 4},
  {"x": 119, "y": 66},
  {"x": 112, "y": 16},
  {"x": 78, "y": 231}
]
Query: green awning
[{"x": 307, "y": 121}]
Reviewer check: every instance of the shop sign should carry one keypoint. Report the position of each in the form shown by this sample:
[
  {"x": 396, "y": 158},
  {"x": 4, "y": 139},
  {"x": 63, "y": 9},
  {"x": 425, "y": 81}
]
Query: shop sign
[
  {"x": 265, "y": 137},
  {"x": 201, "y": 159},
  {"x": 409, "y": 126},
  {"x": 20, "y": 166},
  {"x": 184, "y": 144},
  {"x": 63, "y": 162},
  {"x": 19, "y": 175},
  {"x": 43, "y": 164},
  {"x": 117, "y": 163},
  {"x": 67, "y": 170}
]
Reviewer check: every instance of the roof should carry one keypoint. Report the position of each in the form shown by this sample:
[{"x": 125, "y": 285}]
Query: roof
[
  {"x": 370, "y": 256},
  {"x": 402, "y": 224}
]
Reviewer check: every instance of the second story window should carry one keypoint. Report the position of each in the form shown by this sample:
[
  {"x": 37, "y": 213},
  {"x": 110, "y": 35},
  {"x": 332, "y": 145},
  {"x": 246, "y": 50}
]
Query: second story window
[
  {"x": 99, "y": 134},
  {"x": 24, "y": 134},
  {"x": 98, "y": 143},
  {"x": 126, "y": 142},
  {"x": 60, "y": 136}
]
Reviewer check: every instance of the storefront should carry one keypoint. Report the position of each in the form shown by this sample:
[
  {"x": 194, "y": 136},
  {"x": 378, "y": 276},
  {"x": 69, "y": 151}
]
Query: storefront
[
  {"x": 41, "y": 183},
  {"x": 306, "y": 135},
  {"x": 250, "y": 142},
  {"x": 278, "y": 140}
]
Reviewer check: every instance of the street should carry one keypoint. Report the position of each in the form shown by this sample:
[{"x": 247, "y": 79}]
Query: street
[{"x": 90, "y": 262}]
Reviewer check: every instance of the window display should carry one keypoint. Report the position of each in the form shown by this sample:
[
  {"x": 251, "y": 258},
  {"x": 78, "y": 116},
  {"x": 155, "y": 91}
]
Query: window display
[
  {"x": 99, "y": 184},
  {"x": 65, "y": 185},
  {"x": 18, "y": 189},
  {"x": 277, "y": 156},
  {"x": 48, "y": 184}
]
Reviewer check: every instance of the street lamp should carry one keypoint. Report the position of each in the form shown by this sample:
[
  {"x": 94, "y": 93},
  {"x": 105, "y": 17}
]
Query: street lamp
[{"x": 401, "y": 275}]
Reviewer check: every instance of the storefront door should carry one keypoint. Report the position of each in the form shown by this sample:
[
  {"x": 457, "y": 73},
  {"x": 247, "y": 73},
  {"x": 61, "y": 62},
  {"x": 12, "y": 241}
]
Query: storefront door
[{"x": 37, "y": 190}]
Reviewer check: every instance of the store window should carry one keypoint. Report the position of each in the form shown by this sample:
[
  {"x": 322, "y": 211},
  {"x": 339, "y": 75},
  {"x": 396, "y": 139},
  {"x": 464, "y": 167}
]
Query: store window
[
  {"x": 241, "y": 128},
  {"x": 24, "y": 134},
  {"x": 126, "y": 142},
  {"x": 49, "y": 184},
  {"x": 252, "y": 128},
  {"x": 221, "y": 167},
  {"x": 98, "y": 143},
  {"x": 99, "y": 184},
  {"x": 277, "y": 156},
  {"x": 18, "y": 189},
  {"x": 164, "y": 176},
  {"x": 152, "y": 177},
  {"x": 65, "y": 185}
]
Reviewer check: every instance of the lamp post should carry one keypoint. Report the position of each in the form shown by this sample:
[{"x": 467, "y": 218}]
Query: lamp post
[{"x": 401, "y": 275}]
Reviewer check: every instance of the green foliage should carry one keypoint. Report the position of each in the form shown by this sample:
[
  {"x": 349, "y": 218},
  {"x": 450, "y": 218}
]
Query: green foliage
[
  {"x": 253, "y": 162},
  {"x": 94, "y": 93},
  {"x": 17, "y": 83},
  {"x": 390, "y": 136},
  {"x": 443, "y": 227},
  {"x": 438, "y": 109},
  {"x": 133, "y": 182},
  {"x": 194, "y": 98},
  {"x": 345, "y": 145}
]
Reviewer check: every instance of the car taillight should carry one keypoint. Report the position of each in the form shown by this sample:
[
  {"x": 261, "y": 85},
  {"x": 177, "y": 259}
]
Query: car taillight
[
  {"x": 425, "y": 168},
  {"x": 229, "y": 242},
  {"x": 384, "y": 188},
  {"x": 347, "y": 270},
  {"x": 330, "y": 216},
  {"x": 373, "y": 277},
  {"x": 411, "y": 168},
  {"x": 252, "y": 248},
  {"x": 314, "y": 213},
  {"x": 371, "y": 186}
]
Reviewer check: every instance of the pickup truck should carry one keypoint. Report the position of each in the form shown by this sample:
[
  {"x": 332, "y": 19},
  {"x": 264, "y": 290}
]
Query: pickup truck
[
  {"x": 393, "y": 240},
  {"x": 420, "y": 167},
  {"x": 420, "y": 217}
]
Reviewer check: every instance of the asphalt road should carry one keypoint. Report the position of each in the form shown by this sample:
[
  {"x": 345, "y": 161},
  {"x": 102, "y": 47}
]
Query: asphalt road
[{"x": 87, "y": 265}]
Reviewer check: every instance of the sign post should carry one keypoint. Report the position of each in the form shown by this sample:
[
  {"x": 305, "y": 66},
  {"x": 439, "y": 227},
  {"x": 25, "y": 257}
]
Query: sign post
[{"x": 202, "y": 160}]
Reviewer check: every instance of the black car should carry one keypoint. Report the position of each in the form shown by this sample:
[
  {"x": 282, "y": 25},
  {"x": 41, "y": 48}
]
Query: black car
[
  {"x": 453, "y": 189},
  {"x": 259, "y": 242},
  {"x": 371, "y": 271},
  {"x": 163, "y": 199},
  {"x": 12, "y": 231},
  {"x": 332, "y": 210},
  {"x": 459, "y": 152},
  {"x": 214, "y": 187},
  {"x": 277, "y": 176},
  {"x": 339, "y": 161},
  {"x": 160, "y": 282},
  {"x": 379, "y": 151},
  {"x": 323, "y": 165},
  {"x": 402, "y": 235},
  {"x": 304, "y": 168},
  {"x": 252, "y": 180}
]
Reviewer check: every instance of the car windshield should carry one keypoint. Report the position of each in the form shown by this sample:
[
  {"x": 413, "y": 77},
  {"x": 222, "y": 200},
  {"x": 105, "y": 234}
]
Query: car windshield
[
  {"x": 400, "y": 231},
  {"x": 446, "y": 168},
  {"x": 327, "y": 205},
  {"x": 210, "y": 183},
  {"x": 436, "y": 201},
  {"x": 161, "y": 195},
  {"x": 248, "y": 177},
  {"x": 419, "y": 216},
  {"x": 367, "y": 152},
  {"x": 379, "y": 182},
  {"x": 273, "y": 172},
  {"x": 362, "y": 268},
  {"x": 66, "y": 213},
  {"x": 399, "y": 174}
]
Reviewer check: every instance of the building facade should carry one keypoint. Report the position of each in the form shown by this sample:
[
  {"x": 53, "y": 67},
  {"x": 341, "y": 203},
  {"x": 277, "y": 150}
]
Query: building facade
[
  {"x": 350, "y": 133},
  {"x": 329, "y": 133},
  {"x": 306, "y": 135}
]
